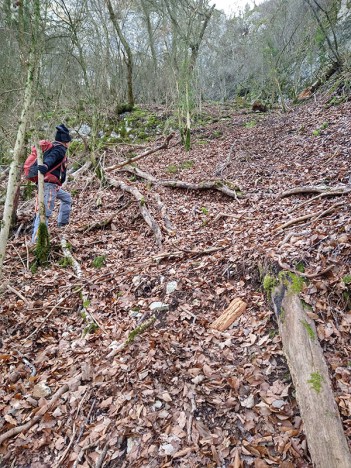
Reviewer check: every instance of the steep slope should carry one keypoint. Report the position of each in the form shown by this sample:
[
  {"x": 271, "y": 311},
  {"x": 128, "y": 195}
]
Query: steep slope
[{"x": 182, "y": 394}]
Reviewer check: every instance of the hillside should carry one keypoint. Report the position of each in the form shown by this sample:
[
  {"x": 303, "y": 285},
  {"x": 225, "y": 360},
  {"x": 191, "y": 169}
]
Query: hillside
[{"x": 182, "y": 394}]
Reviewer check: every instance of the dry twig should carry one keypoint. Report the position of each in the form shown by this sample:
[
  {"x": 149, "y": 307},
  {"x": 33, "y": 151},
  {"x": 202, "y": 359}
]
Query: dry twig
[{"x": 44, "y": 409}]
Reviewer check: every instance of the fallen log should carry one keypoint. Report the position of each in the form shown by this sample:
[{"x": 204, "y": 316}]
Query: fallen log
[
  {"x": 322, "y": 423},
  {"x": 142, "y": 155},
  {"x": 219, "y": 185},
  {"x": 235, "y": 309},
  {"x": 149, "y": 219}
]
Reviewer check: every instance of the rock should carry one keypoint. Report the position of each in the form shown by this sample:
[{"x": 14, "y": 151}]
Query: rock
[
  {"x": 41, "y": 390},
  {"x": 171, "y": 287},
  {"x": 278, "y": 404},
  {"x": 159, "y": 307},
  {"x": 84, "y": 130}
]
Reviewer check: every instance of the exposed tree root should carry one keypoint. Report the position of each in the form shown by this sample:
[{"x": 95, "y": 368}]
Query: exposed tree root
[
  {"x": 80, "y": 171},
  {"x": 321, "y": 195},
  {"x": 149, "y": 219},
  {"x": 44, "y": 409},
  {"x": 132, "y": 335},
  {"x": 323, "y": 190},
  {"x": 180, "y": 253},
  {"x": 105, "y": 223},
  {"x": 223, "y": 165},
  {"x": 313, "y": 216},
  {"x": 206, "y": 185},
  {"x": 169, "y": 228},
  {"x": 143, "y": 155},
  {"x": 322, "y": 423},
  {"x": 304, "y": 275},
  {"x": 78, "y": 271}
]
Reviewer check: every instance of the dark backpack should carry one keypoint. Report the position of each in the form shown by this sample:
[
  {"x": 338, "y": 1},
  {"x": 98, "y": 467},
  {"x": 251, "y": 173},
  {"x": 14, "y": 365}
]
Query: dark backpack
[{"x": 30, "y": 167}]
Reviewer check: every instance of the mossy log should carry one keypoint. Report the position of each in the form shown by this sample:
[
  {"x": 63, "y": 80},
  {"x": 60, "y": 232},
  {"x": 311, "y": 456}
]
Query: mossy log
[{"x": 322, "y": 423}]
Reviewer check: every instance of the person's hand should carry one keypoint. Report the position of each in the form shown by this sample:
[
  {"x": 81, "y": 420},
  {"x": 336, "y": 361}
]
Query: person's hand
[{"x": 43, "y": 168}]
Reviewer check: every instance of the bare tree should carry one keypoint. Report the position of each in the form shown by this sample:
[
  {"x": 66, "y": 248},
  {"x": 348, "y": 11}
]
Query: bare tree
[{"x": 32, "y": 69}]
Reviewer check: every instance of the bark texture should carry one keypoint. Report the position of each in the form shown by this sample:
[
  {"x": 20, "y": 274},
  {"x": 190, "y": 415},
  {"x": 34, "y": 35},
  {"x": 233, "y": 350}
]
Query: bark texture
[
  {"x": 13, "y": 179},
  {"x": 324, "y": 431}
]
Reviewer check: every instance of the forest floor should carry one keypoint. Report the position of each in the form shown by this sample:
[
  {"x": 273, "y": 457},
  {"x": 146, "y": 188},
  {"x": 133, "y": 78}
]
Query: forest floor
[{"x": 181, "y": 394}]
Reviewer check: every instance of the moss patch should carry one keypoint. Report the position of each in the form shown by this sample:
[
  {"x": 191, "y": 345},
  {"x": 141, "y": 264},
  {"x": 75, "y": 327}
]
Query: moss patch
[
  {"x": 346, "y": 279},
  {"x": 293, "y": 282},
  {"x": 309, "y": 330},
  {"x": 99, "y": 261},
  {"x": 316, "y": 381},
  {"x": 269, "y": 282}
]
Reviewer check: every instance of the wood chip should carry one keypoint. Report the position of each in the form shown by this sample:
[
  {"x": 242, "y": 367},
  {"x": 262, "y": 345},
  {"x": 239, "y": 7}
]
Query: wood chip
[{"x": 233, "y": 312}]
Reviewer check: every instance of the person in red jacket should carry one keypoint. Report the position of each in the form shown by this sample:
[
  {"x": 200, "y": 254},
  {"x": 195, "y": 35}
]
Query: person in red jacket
[{"x": 54, "y": 172}]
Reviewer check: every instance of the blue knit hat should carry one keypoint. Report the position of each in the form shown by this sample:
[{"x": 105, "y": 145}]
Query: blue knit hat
[{"x": 62, "y": 134}]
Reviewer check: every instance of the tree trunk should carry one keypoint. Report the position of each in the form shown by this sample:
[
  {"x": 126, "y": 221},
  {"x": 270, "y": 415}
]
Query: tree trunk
[
  {"x": 322, "y": 423},
  {"x": 13, "y": 180},
  {"x": 42, "y": 249},
  {"x": 128, "y": 51}
]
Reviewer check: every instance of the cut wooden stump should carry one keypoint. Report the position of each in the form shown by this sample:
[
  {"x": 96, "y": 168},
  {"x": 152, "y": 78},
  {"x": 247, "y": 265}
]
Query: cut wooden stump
[
  {"x": 232, "y": 312},
  {"x": 322, "y": 423}
]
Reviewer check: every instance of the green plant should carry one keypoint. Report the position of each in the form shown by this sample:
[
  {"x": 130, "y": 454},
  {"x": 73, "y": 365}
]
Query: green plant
[
  {"x": 204, "y": 210},
  {"x": 99, "y": 261},
  {"x": 250, "y": 124},
  {"x": 91, "y": 328},
  {"x": 187, "y": 164},
  {"x": 300, "y": 267},
  {"x": 294, "y": 282},
  {"x": 346, "y": 279},
  {"x": 172, "y": 169},
  {"x": 316, "y": 132},
  {"x": 65, "y": 262},
  {"x": 268, "y": 284},
  {"x": 29, "y": 190},
  {"x": 75, "y": 147}
]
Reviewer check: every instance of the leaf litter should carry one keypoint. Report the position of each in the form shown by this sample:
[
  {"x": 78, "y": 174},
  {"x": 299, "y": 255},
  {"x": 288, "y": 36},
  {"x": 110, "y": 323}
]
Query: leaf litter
[{"x": 181, "y": 393}]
